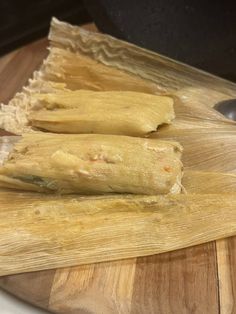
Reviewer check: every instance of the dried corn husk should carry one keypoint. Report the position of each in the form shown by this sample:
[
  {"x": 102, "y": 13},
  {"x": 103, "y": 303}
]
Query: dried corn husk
[
  {"x": 73, "y": 231},
  {"x": 192, "y": 112},
  {"x": 201, "y": 182},
  {"x": 88, "y": 163},
  {"x": 80, "y": 72},
  {"x": 205, "y": 149},
  {"x": 168, "y": 75}
]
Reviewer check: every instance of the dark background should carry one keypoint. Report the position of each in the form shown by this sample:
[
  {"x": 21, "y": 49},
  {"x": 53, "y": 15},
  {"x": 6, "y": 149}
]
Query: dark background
[
  {"x": 201, "y": 33},
  {"x": 198, "y": 32},
  {"x": 22, "y": 21}
]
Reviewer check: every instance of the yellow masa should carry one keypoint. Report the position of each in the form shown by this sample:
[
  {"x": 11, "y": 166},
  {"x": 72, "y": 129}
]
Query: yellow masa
[{"x": 93, "y": 164}]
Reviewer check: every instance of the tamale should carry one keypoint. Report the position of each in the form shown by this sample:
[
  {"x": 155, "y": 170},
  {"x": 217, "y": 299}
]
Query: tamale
[
  {"x": 93, "y": 163},
  {"x": 46, "y": 232},
  {"x": 64, "y": 70},
  {"x": 84, "y": 111}
]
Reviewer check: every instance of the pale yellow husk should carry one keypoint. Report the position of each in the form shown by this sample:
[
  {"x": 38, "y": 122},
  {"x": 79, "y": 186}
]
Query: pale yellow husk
[
  {"x": 201, "y": 182},
  {"x": 205, "y": 149},
  {"x": 74, "y": 231}
]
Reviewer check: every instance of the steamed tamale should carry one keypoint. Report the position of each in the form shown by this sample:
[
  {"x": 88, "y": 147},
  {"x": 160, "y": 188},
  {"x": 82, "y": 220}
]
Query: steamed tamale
[
  {"x": 88, "y": 163},
  {"x": 84, "y": 111}
]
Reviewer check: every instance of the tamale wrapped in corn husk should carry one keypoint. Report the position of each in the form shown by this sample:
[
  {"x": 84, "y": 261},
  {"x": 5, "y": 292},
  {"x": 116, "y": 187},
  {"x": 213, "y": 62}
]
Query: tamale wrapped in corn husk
[
  {"x": 79, "y": 59},
  {"x": 45, "y": 231},
  {"x": 84, "y": 111},
  {"x": 63, "y": 71},
  {"x": 39, "y": 231},
  {"x": 93, "y": 163}
]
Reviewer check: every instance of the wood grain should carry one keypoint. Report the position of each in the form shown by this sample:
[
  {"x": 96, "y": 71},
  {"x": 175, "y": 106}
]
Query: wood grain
[
  {"x": 226, "y": 254},
  {"x": 103, "y": 288},
  {"x": 36, "y": 289},
  {"x": 185, "y": 281},
  {"x": 176, "y": 277}
]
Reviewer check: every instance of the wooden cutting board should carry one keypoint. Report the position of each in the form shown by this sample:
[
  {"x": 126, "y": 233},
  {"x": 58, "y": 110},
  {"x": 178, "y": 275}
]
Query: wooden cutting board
[{"x": 199, "y": 280}]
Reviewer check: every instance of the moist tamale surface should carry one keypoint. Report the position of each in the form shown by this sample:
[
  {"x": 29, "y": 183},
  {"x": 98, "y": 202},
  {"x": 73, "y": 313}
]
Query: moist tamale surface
[
  {"x": 93, "y": 163},
  {"x": 84, "y": 111}
]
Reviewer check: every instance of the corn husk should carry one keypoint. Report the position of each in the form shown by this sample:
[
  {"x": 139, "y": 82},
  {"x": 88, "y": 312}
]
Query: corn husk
[
  {"x": 201, "y": 182},
  {"x": 77, "y": 71},
  {"x": 72, "y": 230},
  {"x": 166, "y": 74},
  {"x": 205, "y": 149},
  {"x": 195, "y": 113}
]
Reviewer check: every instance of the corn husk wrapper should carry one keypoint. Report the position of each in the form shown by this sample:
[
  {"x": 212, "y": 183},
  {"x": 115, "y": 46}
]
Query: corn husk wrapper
[
  {"x": 73, "y": 231},
  {"x": 205, "y": 149},
  {"x": 201, "y": 182}
]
